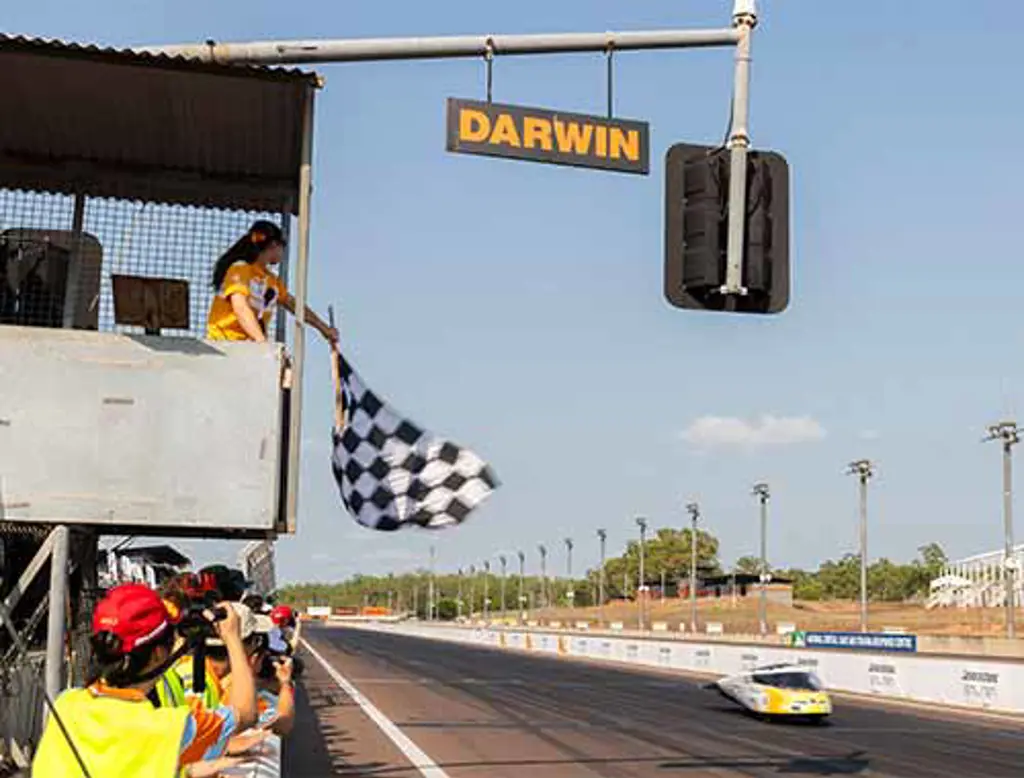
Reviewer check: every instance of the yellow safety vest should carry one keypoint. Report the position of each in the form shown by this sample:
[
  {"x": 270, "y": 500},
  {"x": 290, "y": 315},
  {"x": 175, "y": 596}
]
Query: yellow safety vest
[
  {"x": 210, "y": 695},
  {"x": 114, "y": 737},
  {"x": 170, "y": 689}
]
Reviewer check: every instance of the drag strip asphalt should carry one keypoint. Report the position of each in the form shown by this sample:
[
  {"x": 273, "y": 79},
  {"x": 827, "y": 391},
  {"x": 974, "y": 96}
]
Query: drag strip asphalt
[{"x": 473, "y": 711}]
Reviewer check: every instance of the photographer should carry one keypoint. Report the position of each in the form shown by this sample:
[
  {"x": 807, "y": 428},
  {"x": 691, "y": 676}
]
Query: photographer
[
  {"x": 275, "y": 694},
  {"x": 114, "y": 728}
]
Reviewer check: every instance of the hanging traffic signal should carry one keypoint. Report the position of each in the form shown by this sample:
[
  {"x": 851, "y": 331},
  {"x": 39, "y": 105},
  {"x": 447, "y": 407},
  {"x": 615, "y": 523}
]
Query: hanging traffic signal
[{"x": 697, "y": 230}]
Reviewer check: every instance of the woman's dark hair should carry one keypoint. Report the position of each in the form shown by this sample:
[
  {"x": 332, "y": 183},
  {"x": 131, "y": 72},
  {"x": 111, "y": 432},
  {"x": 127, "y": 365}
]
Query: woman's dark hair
[
  {"x": 121, "y": 670},
  {"x": 258, "y": 237}
]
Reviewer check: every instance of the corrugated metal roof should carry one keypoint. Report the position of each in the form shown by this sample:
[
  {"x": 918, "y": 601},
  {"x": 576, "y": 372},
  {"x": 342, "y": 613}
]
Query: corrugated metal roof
[{"x": 120, "y": 123}]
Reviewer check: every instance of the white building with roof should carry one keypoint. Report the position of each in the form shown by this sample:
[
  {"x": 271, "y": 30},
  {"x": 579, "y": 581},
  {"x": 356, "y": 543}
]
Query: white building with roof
[{"x": 978, "y": 581}]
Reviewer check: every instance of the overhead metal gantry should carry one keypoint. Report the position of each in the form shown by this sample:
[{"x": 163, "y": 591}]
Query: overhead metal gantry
[{"x": 744, "y": 19}]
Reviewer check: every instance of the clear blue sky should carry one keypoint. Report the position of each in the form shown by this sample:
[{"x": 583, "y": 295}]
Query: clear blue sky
[{"x": 518, "y": 308}]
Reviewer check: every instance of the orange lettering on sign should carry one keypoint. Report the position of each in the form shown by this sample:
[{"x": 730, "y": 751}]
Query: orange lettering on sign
[
  {"x": 473, "y": 125},
  {"x": 573, "y": 139},
  {"x": 627, "y": 143},
  {"x": 601, "y": 147},
  {"x": 505, "y": 132},
  {"x": 537, "y": 132}
]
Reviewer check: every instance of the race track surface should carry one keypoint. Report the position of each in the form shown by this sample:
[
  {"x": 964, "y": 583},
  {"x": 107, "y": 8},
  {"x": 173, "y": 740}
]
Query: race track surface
[{"x": 482, "y": 712}]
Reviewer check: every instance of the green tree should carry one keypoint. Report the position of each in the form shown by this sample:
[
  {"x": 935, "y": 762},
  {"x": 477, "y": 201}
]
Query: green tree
[
  {"x": 749, "y": 565},
  {"x": 447, "y": 609}
]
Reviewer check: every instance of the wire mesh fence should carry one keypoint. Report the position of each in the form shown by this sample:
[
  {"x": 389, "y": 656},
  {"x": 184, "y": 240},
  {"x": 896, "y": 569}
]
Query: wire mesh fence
[
  {"x": 59, "y": 256},
  {"x": 21, "y": 709}
]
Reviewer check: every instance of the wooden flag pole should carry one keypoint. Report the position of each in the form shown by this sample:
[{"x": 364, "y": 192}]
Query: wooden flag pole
[{"x": 339, "y": 397}]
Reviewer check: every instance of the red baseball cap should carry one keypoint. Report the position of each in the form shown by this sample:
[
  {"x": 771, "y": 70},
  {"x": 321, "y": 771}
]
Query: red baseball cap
[
  {"x": 282, "y": 615},
  {"x": 133, "y": 612}
]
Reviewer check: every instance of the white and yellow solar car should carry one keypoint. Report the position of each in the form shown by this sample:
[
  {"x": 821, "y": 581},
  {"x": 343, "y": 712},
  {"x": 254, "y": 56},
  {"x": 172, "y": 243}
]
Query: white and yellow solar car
[{"x": 778, "y": 691}]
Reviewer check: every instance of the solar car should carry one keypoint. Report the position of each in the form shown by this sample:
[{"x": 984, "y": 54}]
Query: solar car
[{"x": 777, "y": 691}]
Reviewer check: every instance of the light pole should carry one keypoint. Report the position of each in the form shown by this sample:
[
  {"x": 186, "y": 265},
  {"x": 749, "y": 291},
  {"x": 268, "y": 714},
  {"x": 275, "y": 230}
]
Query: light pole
[
  {"x": 472, "y": 589},
  {"x": 430, "y": 593},
  {"x": 642, "y": 524},
  {"x": 487, "y": 589},
  {"x": 522, "y": 599},
  {"x": 1009, "y": 434},
  {"x": 504, "y": 573},
  {"x": 459, "y": 600},
  {"x": 762, "y": 492},
  {"x": 543, "y": 575},
  {"x": 602, "y": 536},
  {"x": 694, "y": 510},
  {"x": 864, "y": 470},
  {"x": 569, "y": 595}
]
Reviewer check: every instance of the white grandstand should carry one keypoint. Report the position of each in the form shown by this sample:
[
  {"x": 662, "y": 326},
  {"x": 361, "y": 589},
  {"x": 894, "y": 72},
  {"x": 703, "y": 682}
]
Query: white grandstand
[{"x": 978, "y": 581}]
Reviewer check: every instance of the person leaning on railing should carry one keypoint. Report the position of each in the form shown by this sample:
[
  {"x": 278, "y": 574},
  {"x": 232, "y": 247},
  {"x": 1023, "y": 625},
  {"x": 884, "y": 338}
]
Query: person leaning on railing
[
  {"x": 247, "y": 292},
  {"x": 115, "y": 730}
]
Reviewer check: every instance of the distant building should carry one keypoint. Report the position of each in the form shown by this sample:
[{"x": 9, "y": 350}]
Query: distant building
[
  {"x": 780, "y": 590},
  {"x": 151, "y": 565},
  {"x": 977, "y": 581}
]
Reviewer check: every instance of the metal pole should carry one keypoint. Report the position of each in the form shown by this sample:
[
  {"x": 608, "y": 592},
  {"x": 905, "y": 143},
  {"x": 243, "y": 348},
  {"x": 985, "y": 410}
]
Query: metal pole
[
  {"x": 543, "y": 576},
  {"x": 430, "y": 590},
  {"x": 863, "y": 469},
  {"x": 602, "y": 537},
  {"x": 55, "y": 618},
  {"x": 459, "y": 600},
  {"x": 487, "y": 589},
  {"x": 863, "y": 553},
  {"x": 663, "y": 586},
  {"x": 1009, "y": 434},
  {"x": 641, "y": 588},
  {"x": 1010, "y": 573},
  {"x": 694, "y": 511},
  {"x": 504, "y": 574},
  {"x": 299, "y": 335},
  {"x": 570, "y": 594},
  {"x": 521, "y": 602},
  {"x": 762, "y": 492},
  {"x": 744, "y": 20},
  {"x": 370, "y": 49}
]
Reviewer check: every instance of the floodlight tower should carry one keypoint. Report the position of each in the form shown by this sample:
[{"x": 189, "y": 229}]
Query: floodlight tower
[
  {"x": 864, "y": 470},
  {"x": 762, "y": 492},
  {"x": 1009, "y": 434}
]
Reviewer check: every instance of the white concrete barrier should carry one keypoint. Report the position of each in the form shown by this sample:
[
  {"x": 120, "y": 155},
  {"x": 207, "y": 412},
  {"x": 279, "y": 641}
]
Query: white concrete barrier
[{"x": 966, "y": 681}]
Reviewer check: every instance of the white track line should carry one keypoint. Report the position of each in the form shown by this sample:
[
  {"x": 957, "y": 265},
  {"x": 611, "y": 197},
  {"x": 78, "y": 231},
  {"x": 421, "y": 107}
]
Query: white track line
[{"x": 428, "y": 767}]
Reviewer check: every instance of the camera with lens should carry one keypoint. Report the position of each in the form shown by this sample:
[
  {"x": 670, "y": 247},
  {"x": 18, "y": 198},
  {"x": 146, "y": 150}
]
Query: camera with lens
[
  {"x": 196, "y": 622},
  {"x": 268, "y": 667}
]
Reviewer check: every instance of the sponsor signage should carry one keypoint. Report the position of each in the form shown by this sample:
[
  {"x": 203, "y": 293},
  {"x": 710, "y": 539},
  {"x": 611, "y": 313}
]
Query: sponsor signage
[
  {"x": 543, "y": 135},
  {"x": 862, "y": 641}
]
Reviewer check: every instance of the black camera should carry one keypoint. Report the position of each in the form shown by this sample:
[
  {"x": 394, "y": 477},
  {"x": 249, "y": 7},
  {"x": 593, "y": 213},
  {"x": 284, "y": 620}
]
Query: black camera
[
  {"x": 197, "y": 622},
  {"x": 268, "y": 668}
]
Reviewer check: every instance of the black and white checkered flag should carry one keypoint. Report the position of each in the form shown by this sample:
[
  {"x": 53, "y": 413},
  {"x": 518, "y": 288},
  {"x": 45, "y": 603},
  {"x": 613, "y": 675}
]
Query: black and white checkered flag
[{"x": 393, "y": 473}]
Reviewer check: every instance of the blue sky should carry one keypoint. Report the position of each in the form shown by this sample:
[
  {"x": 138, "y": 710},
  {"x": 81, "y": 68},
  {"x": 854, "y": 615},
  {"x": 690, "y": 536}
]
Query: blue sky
[{"x": 518, "y": 307}]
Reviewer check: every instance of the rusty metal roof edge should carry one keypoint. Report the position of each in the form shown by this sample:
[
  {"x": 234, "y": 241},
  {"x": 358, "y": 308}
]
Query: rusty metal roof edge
[{"x": 134, "y": 56}]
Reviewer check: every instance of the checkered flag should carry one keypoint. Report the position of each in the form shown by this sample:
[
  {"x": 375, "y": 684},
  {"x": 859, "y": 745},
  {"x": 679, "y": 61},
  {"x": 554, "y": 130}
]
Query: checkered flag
[{"x": 393, "y": 473}]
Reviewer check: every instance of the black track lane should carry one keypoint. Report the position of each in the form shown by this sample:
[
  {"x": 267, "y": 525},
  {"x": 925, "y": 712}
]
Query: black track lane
[{"x": 484, "y": 712}]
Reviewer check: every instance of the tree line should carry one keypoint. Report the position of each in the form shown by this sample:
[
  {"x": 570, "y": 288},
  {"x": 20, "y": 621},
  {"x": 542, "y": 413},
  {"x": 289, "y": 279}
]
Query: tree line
[{"x": 666, "y": 558}]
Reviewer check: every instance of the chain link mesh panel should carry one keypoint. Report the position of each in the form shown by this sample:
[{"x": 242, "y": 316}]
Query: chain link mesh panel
[{"x": 52, "y": 275}]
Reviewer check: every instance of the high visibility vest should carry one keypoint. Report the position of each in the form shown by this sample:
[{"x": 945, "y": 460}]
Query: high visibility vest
[
  {"x": 210, "y": 695},
  {"x": 114, "y": 737},
  {"x": 171, "y": 690}
]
